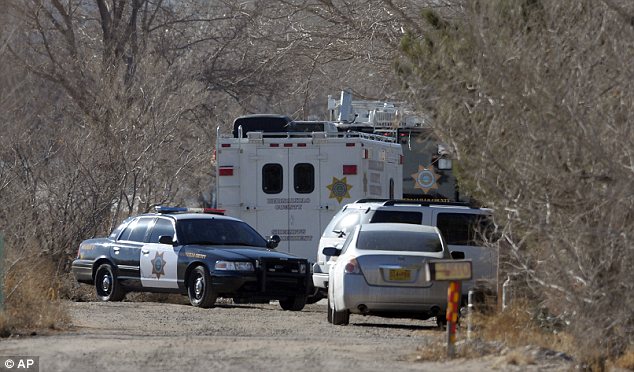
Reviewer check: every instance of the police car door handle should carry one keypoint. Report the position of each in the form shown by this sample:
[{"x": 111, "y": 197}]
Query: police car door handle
[{"x": 145, "y": 251}]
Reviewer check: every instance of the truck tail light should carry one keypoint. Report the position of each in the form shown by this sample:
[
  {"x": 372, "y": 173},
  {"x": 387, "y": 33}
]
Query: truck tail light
[
  {"x": 366, "y": 153},
  {"x": 349, "y": 169},
  {"x": 225, "y": 171},
  {"x": 400, "y": 159}
]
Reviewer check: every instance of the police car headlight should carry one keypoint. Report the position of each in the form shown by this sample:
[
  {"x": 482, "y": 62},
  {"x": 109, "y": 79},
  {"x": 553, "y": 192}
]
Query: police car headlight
[
  {"x": 302, "y": 268},
  {"x": 233, "y": 266}
]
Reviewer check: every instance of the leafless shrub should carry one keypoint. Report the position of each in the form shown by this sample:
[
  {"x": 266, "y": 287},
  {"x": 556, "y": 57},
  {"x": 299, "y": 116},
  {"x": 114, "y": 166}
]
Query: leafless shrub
[
  {"x": 32, "y": 298},
  {"x": 536, "y": 99}
]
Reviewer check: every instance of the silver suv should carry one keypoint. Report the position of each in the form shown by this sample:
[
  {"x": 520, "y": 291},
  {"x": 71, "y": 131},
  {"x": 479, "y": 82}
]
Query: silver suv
[{"x": 463, "y": 227}]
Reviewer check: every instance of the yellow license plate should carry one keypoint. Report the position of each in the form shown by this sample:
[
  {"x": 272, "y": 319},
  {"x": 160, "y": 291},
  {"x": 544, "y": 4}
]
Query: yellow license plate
[{"x": 400, "y": 274}]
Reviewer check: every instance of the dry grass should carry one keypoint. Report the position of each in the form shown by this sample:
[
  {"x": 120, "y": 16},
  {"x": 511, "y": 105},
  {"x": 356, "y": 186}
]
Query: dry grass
[
  {"x": 32, "y": 299},
  {"x": 512, "y": 333},
  {"x": 432, "y": 352},
  {"x": 516, "y": 327},
  {"x": 626, "y": 361}
]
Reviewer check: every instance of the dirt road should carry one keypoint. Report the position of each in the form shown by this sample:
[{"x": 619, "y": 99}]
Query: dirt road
[{"x": 149, "y": 336}]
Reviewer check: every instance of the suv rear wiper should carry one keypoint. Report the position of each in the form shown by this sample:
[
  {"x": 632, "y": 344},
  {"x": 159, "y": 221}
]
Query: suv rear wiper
[{"x": 340, "y": 233}]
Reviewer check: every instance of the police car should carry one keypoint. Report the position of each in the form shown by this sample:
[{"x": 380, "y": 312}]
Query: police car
[{"x": 204, "y": 255}]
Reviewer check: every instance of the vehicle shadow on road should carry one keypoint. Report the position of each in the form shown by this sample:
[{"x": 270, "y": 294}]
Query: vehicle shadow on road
[
  {"x": 408, "y": 327},
  {"x": 238, "y": 306}
]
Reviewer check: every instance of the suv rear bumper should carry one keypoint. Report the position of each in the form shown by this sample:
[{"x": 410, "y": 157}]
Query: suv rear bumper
[{"x": 320, "y": 280}]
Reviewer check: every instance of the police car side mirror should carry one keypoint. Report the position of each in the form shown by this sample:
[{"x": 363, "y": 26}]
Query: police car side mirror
[
  {"x": 166, "y": 239},
  {"x": 331, "y": 251},
  {"x": 457, "y": 255},
  {"x": 273, "y": 241}
]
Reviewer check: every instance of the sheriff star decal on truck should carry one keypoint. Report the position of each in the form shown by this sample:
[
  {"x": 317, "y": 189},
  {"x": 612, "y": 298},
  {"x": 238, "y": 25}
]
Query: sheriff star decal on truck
[
  {"x": 339, "y": 189},
  {"x": 425, "y": 179}
]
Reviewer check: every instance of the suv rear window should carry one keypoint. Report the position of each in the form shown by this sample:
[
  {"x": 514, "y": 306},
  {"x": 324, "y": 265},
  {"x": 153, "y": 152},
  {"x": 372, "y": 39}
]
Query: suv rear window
[
  {"x": 415, "y": 218},
  {"x": 463, "y": 228},
  {"x": 343, "y": 222},
  {"x": 407, "y": 241}
]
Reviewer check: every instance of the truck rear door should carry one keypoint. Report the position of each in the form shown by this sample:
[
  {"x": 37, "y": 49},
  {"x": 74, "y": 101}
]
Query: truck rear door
[{"x": 288, "y": 197}]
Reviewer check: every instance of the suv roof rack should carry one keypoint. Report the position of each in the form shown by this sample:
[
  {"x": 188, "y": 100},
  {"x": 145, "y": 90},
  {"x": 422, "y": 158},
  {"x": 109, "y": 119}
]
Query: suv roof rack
[
  {"x": 426, "y": 203},
  {"x": 372, "y": 200}
]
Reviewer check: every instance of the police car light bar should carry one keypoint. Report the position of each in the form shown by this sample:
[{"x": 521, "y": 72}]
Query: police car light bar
[{"x": 163, "y": 209}]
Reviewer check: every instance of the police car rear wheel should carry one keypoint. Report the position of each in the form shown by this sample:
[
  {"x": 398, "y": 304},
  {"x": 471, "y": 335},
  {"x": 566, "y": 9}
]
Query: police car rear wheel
[
  {"x": 107, "y": 286},
  {"x": 295, "y": 303},
  {"x": 199, "y": 288}
]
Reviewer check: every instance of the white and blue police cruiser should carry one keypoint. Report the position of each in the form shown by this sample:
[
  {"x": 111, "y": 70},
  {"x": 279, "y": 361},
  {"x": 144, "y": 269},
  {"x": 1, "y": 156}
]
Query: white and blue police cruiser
[{"x": 204, "y": 255}]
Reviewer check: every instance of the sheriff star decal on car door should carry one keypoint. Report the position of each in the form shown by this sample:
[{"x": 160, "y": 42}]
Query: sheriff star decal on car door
[{"x": 158, "y": 265}]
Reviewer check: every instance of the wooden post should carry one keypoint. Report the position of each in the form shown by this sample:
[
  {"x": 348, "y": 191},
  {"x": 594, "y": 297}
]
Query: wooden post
[
  {"x": 454, "y": 272},
  {"x": 453, "y": 308}
]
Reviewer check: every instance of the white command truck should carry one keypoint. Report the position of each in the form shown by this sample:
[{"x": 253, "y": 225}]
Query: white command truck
[{"x": 289, "y": 178}]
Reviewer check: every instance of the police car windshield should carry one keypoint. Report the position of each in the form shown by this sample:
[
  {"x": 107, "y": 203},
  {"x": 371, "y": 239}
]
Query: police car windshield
[{"x": 218, "y": 232}]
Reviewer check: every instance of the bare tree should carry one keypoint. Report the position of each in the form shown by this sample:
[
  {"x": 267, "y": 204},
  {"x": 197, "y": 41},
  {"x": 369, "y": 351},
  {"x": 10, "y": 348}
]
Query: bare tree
[
  {"x": 122, "y": 123},
  {"x": 537, "y": 100}
]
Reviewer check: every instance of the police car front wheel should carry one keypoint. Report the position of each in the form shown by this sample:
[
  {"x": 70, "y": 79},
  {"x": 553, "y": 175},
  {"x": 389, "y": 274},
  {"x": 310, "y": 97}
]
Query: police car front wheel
[
  {"x": 295, "y": 303},
  {"x": 199, "y": 288}
]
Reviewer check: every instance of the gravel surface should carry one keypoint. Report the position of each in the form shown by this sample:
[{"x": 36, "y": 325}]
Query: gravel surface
[{"x": 129, "y": 336}]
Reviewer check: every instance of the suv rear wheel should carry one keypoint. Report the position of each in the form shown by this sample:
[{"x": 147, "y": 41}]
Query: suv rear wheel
[{"x": 337, "y": 317}]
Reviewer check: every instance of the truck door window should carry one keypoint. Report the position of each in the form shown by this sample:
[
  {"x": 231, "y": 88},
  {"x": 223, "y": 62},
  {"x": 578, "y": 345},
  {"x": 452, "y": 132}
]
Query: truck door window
[
  {"x": 415, "y": 218},
  {"x": 304, "y": 178},
  {"x": 272, "y": 178}
]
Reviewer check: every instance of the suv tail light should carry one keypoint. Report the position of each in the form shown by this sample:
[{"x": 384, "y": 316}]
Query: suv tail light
[{"x": 352, "y": 267}]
